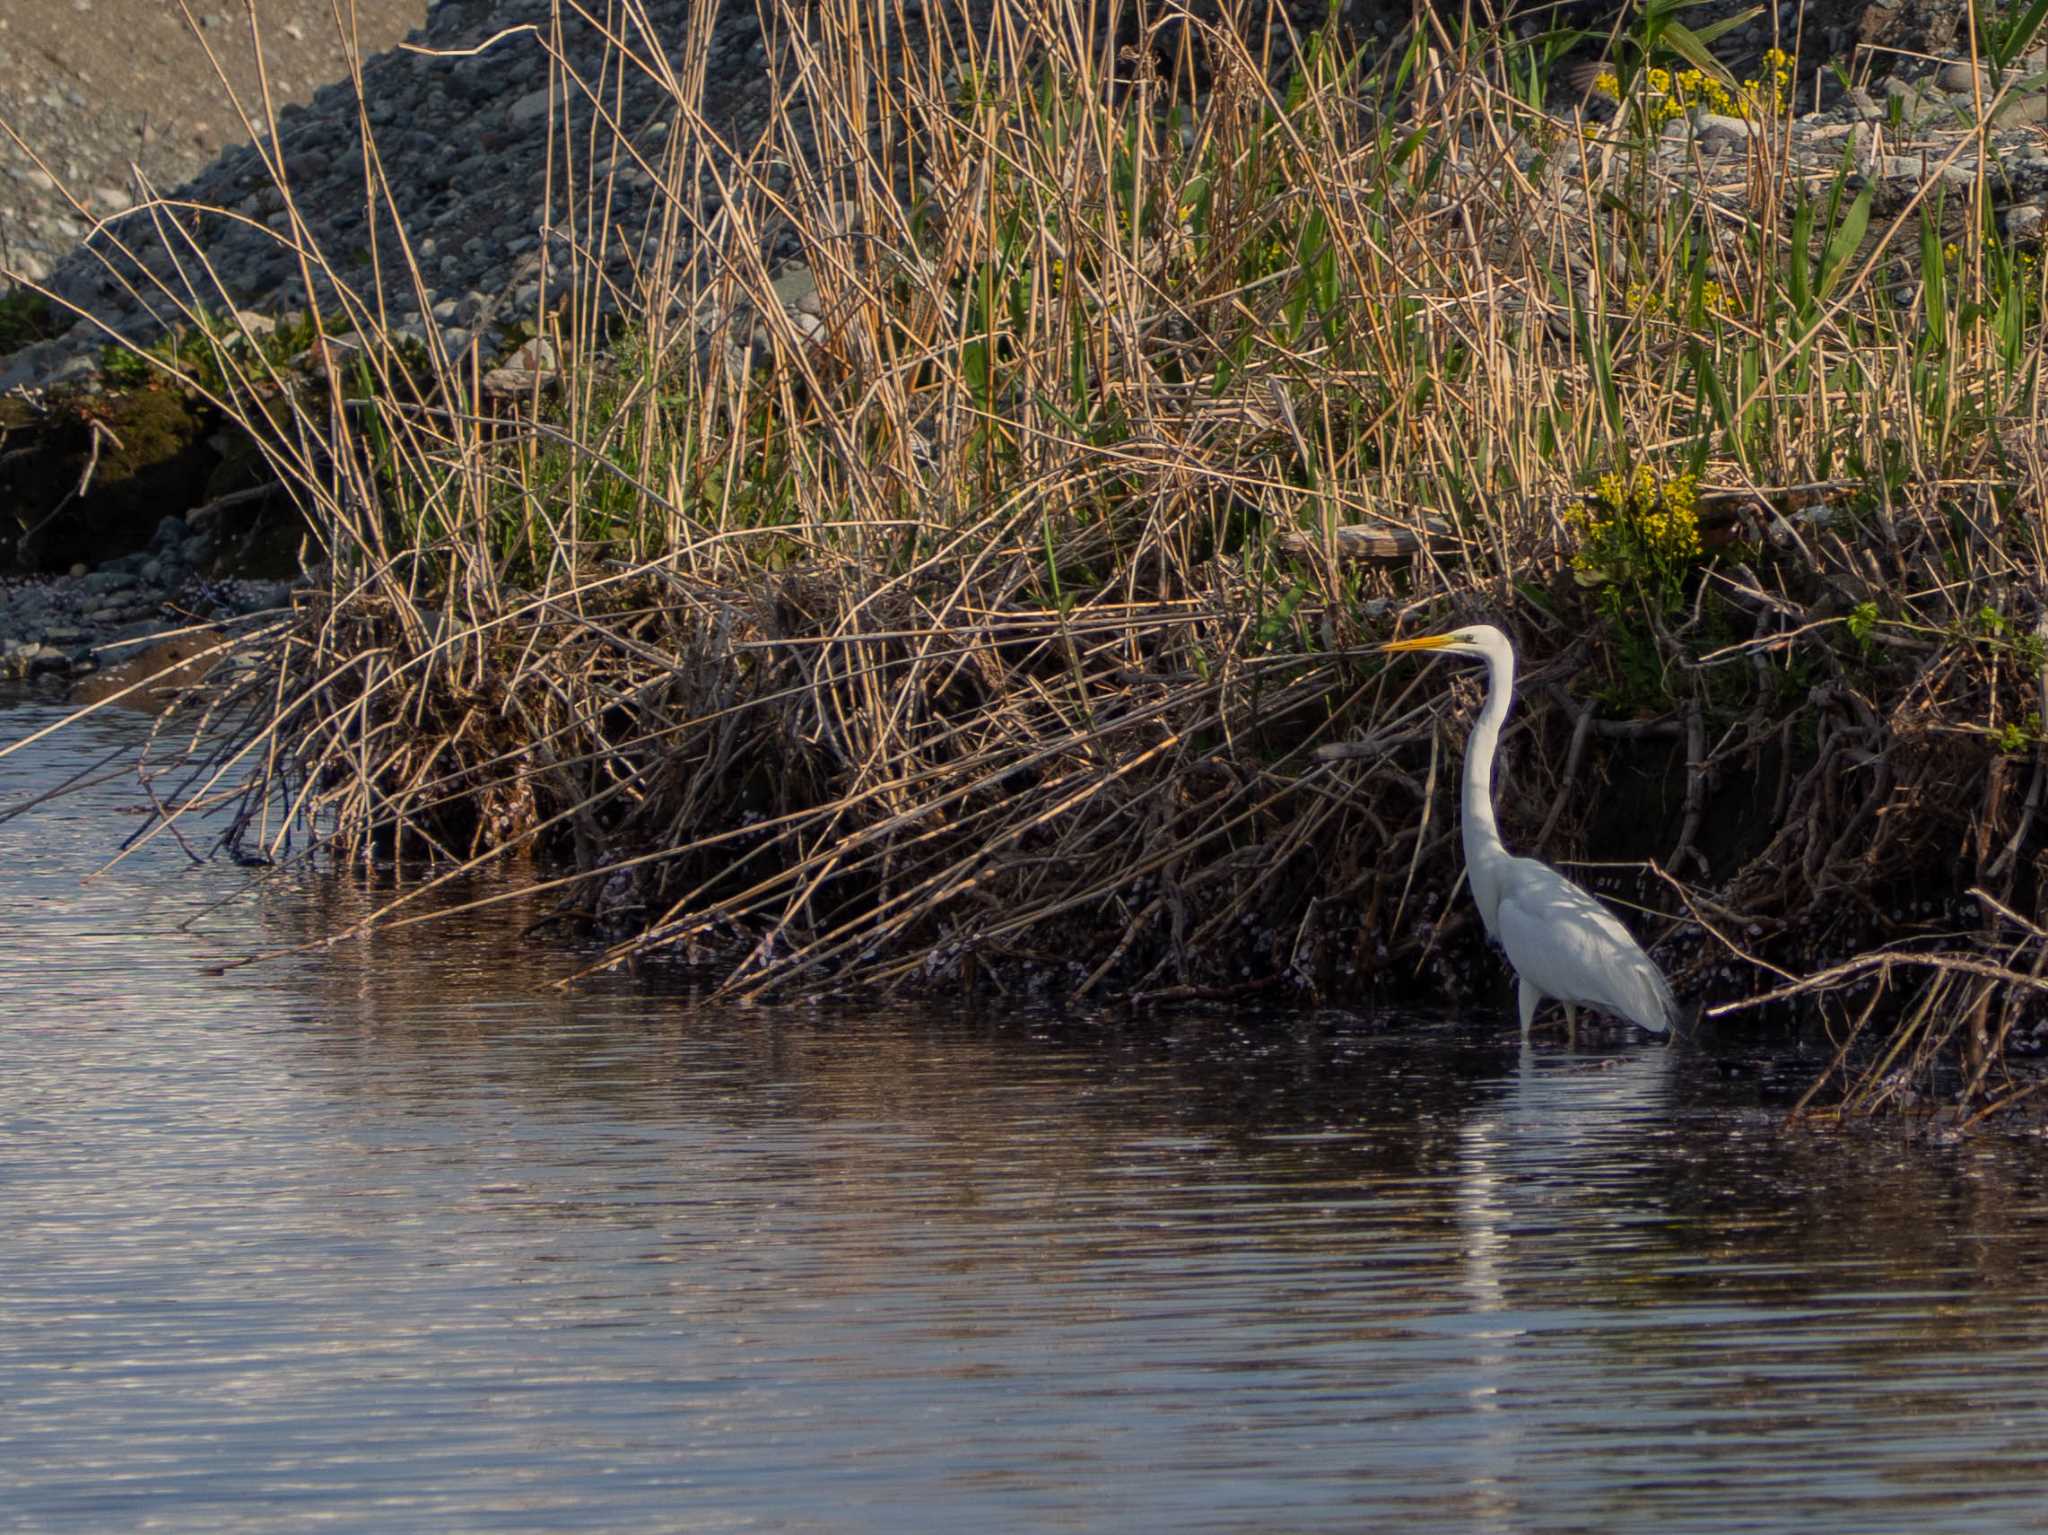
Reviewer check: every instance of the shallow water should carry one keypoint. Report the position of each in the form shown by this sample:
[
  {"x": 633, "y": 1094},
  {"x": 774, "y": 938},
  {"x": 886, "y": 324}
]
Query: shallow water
[{"x": 387, "y": 1237}]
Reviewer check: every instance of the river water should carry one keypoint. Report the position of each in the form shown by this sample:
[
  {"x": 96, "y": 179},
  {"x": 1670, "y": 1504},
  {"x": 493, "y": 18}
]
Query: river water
[{"x": 391, "y": 1237}]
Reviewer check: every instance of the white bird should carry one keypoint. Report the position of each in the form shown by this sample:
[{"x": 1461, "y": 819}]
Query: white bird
[{"x": 1563, "y": 944}]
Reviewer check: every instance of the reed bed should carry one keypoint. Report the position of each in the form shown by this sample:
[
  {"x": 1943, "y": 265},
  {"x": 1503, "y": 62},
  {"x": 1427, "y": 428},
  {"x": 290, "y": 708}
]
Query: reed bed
[{"x": 1001, "y": 616}]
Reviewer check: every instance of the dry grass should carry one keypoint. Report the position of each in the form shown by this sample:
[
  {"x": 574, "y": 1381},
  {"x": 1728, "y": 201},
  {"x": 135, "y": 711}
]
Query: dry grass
[{"x": 992, "y": 625}]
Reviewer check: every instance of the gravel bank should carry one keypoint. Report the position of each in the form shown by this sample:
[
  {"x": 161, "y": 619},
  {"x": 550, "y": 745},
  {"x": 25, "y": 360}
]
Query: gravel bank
[
  {"x": 61, "y": 628},
  {"x": 460, "y": 118},
  {"x": 100, "y": 89}
]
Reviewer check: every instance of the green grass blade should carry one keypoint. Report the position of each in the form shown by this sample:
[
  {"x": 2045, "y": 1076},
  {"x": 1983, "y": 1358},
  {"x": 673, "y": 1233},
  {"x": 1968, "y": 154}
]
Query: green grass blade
[{"x": 1847, "y": 238}]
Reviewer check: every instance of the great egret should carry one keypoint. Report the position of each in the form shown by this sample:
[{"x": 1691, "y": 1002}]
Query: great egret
[{"x": 1563, "y": 944}]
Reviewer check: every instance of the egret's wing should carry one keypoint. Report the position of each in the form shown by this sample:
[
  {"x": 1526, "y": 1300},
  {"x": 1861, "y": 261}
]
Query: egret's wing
[{"x": 1573, "y": 949}]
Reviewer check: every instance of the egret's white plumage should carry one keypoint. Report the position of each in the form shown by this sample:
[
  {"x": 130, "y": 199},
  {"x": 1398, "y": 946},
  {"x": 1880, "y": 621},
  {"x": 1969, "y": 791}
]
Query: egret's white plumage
[{"x": 1563, "y": 944}]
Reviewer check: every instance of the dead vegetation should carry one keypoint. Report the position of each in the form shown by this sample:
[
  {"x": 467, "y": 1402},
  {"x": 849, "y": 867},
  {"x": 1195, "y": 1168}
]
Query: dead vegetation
[{"x": 993, "y": 606}]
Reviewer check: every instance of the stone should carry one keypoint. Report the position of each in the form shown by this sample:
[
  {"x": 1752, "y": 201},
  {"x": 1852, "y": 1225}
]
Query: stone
[
  {"x": 797, "y": 291},
  {"x": 2022, "y": 108},
  {"x": 534, "y": 365},
  {"x": 529, "y": 109},
  {"x": 74, "y": 369},
  {"x": 1956, "y": 76},
  {"x": 1730, "y": 127},
  {"x": 1959, "y": 78}
]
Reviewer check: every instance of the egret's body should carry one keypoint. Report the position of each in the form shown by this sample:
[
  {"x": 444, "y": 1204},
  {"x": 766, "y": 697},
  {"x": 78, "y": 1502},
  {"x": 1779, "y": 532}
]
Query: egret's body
[{"x": 1563, "y": 944}]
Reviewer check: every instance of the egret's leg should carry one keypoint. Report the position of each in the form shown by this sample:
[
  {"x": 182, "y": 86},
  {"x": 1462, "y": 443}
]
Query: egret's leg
[
  {"x": 1571, "y": 1024},
  {"x": 1531, "y": 1000}
]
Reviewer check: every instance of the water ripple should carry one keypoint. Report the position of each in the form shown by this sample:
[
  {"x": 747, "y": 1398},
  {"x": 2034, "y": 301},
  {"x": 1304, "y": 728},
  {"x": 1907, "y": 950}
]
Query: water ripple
[{"x": 391, "y": 1236}]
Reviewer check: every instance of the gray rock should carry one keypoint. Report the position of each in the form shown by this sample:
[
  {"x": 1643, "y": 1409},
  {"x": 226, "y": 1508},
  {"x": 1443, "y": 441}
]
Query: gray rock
[
  {"x": 1958, "y": 77},
  {"x": 74, "y": 369},
  {"x": 1728, "y": 127},
  {"x": 529, "y": 109},
  {"x": 2021, "y": 108}
]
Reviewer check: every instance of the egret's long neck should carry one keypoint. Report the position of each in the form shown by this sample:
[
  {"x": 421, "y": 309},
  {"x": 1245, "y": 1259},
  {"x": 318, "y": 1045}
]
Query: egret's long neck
[{"x": 1482, "y": 833}]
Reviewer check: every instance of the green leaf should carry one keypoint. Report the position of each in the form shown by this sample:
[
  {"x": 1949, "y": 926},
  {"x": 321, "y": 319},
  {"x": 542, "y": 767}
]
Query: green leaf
[
  {"x": 1410, "y": 57},
  {"x": 1308, "y": 245},
  {"x": 1400, "y": 153},
  {"x": 1802, "y": 247},
  {"x": 1711, "y": 385},
  {"x": 1935, "y": 277},
  {"x": 1295, "y": 310},
  {"x": 1592, "y": 329},
  {"x": 2019, "y": 36},
  {"x": 974, "y": 362},
  {"x": 1847, "y": 237},
  {"x": 1713, "y": 31},
  {"x": 1692, "y": 47}
]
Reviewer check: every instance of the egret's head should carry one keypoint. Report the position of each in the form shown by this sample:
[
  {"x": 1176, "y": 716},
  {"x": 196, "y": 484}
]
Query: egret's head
[{"x": 1476, "y": 640}]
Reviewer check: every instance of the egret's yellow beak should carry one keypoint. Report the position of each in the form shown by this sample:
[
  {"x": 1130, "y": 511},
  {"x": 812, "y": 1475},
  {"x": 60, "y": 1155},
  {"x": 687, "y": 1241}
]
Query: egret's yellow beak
[{"x": 1421, "y": 642}]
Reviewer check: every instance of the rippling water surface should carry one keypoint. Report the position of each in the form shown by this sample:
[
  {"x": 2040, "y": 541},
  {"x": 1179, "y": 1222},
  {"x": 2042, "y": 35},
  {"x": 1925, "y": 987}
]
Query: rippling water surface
[{"x": 388, "y": 1237}]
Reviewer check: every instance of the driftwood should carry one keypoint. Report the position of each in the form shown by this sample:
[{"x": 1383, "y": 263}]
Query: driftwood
[{"x": 1375, "y": 542}]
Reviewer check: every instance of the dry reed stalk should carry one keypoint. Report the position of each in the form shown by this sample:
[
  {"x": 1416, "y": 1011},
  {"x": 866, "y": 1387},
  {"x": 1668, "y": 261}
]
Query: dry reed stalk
[{"x": 992, "y": 621}]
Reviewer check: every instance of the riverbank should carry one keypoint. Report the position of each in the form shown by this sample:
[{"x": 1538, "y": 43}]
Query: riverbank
[
  {"x": 944, "y": 547},
  {"x": 59, "y": 630}
]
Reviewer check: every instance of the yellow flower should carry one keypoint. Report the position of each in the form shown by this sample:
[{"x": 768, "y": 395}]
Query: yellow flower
[{"x": 1637, "y": 526}]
